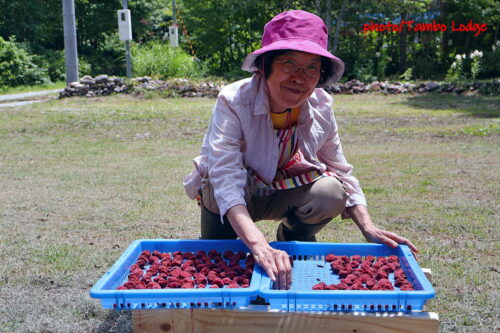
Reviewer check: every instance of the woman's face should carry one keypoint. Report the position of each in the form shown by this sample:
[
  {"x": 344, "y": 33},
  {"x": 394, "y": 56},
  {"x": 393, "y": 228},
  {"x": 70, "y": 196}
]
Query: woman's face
[{"x": 290, "y": 90}]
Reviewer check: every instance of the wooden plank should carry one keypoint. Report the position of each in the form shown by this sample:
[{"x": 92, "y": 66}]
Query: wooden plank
[
  {"x": 231, "y": 321},
  {"x": 428, "y": 273}
]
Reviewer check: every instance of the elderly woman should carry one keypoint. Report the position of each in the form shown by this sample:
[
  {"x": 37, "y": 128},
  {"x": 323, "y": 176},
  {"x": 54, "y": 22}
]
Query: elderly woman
[{"x": 272, "y": 150}]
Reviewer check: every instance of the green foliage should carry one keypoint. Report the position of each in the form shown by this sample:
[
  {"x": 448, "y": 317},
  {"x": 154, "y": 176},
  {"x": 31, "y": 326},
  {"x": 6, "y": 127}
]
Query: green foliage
[
  {"x": 158, "y": 59},
  {"x": 223, "y": 32},
  {"x": 456, "y": 70},
  {"x": 17, "y": 67},
  {"x": 475, "y": 66},
  {"x": 53, "y": 61},
  {"x": 407, "y": 75}
]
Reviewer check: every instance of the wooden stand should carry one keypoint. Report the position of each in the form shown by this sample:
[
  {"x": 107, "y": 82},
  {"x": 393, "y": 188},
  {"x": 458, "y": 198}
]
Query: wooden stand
[{"x": 258, "y": 319}]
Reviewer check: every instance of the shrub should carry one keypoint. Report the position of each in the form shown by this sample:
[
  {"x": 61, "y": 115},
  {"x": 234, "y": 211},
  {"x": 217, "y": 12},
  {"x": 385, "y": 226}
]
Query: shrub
[
  {"x": 158, "y": 59},
  {"x": 17, "y": 66},
  {"x": 53, "y": 61}
]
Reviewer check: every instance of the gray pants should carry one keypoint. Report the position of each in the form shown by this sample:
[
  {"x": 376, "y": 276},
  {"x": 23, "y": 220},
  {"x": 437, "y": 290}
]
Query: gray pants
[{"x": 303, "y": 211}]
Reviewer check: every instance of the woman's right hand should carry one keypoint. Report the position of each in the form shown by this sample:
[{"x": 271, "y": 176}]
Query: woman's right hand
[{"x": 276, "y": 263}]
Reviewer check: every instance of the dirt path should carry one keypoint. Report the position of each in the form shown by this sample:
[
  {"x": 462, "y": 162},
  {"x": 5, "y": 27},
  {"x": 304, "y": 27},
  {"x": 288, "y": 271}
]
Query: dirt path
[{"x": 26, "y": 98}]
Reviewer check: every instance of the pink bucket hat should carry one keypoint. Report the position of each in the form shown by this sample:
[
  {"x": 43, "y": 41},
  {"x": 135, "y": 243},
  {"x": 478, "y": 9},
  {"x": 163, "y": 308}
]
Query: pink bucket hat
[{"x": 296, "y": 30}]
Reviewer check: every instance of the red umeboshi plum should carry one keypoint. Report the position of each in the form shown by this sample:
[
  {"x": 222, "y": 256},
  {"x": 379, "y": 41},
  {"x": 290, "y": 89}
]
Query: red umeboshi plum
[
  {"x": 245, "y": 285},
  {"x": 187, "y": 263},
  {"x": 200, "y": 254},
  {"x": 214, "y": 286},
  {"x": 187, "y": 285},
  {"x": 140, "y": 285},
  {"x": 212, "y": 254},
  {"x": 351, "y": 277},
  {"x": 129, "y": 285},
  {"x": 344, "y": 272},
  {"x": 381, "y": 275},
  {"x": 153, "y": 285},
  {"x": 211, "y": 277},
  {"x": 200, "y": 279},
  {"x": 175, "y": 285},
  {"x": 134, "y": 267},
  {"x": 400, "y": 282},
  {"x": 141, "y": 263},
  {"x": 165, "y": 256},
  {"x": 204, "y": 270},
  {"x": 228, "y": 254},
  {"x": 226, "y": 280},
  {"x": 154, "y": 260},
  {"x": 176, "y": 272},
  {"x": 357, "y": 286},
  {"x": 191, "y": 269},
  {"x": 231, "y": 274},
  {"x": 156, "y": 253},
  {"x": 162, "y": 282},
  {"x": 177, "y": 253},
  {"x": 370, "y": 258},
  {"x": 176, "y": 262},
  {"x": 163, "y": 269},
  {"x": 332, "y": 287},
  {"x": 330, "y": 257},
  {"x": 233, "y": 285},
  {"x": 319, "y": 286},
  {"x": 356, "y": 257},
  {"x": 370, "y": 283},
  {"x": 406, "y": 287},
  {"x": 342, "y": 286},
  {"x": 393, "y": 259},
  {"x": 201, "y": 286},
  {"x": 218, "y": 282},
  {"x": 146, "y": 278},
  {"x": 122, "y": 288},
  {"x": 184, "y": 274},
  {"x": 355, "y": 263},
  {"x": 135, "y": 273}
]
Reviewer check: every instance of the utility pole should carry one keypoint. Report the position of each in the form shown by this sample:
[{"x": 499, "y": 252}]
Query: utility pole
[
  {"x": 70, "y": 50},
  {"x": 173, "y": 12},
  {"x": 127, "y": 49},
  {"x": 173, "y": 30}
]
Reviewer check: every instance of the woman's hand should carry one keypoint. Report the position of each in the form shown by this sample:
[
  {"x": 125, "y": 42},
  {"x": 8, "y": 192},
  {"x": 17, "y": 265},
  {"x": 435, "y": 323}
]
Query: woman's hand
[
  {"x": 276, "y": 263},
  {"x": 377, "y": 235},
  {"x": 373, "y": 234}
]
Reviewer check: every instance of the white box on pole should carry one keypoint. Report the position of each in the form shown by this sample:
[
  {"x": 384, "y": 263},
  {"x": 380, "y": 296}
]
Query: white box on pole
[
  {"x": 124, "y": 24},
  {"x": 173, "y": 33}
]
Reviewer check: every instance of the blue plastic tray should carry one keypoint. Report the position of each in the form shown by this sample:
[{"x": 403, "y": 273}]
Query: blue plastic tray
[
  {"x": 310, "y": 268},
  {"x": 105, "y": 288}
]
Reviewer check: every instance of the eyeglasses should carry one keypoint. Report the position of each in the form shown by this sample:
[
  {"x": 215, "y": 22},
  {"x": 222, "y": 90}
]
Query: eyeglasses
[{"x": 289, "y": 66}]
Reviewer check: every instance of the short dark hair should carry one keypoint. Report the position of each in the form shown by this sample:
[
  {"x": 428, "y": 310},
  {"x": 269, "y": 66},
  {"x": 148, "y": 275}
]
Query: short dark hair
[{"x": 264, "y": 62}]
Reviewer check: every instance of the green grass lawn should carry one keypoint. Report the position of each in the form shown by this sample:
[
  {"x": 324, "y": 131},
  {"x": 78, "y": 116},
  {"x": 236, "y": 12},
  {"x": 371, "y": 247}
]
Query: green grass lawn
[
  {"x": 4, "y": 90},
  {"x": 82, "y": 178}
]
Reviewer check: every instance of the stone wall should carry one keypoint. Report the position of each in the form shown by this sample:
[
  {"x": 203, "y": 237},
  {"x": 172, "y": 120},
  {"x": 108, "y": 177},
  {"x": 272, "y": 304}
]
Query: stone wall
[{"x": 105, "y": 85}]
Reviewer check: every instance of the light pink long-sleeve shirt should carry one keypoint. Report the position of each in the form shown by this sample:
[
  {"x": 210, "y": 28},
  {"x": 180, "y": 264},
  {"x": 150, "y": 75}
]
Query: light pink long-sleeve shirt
[{"x": 241, "y": 134}]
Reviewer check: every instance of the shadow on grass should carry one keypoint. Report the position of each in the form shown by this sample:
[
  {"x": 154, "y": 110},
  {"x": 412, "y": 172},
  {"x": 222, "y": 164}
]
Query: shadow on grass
[
  {"x": 116, "y": 321},
  {"x": 475, "y": 106}
]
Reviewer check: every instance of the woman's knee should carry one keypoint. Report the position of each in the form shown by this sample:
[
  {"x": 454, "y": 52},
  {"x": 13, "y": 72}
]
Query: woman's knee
[{"x": 327, "y": 200}]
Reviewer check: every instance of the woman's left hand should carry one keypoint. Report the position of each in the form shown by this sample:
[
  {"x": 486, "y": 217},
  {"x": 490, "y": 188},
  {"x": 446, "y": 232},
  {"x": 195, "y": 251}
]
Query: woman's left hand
[{"x": 377, "y": 235}]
